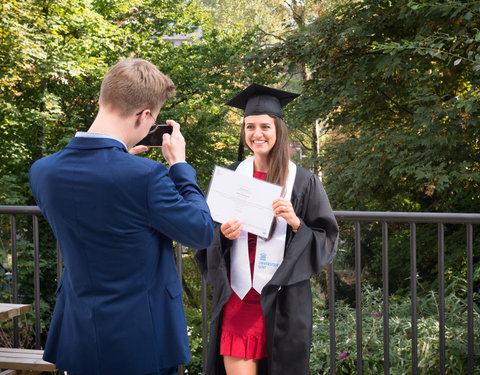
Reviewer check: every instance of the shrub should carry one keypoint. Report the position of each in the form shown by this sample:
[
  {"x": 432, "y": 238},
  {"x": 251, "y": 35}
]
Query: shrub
[{"x": 399, "y": 332}]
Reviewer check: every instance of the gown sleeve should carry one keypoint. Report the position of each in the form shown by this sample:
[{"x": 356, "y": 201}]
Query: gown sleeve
[{"x": 315, "y": 244}]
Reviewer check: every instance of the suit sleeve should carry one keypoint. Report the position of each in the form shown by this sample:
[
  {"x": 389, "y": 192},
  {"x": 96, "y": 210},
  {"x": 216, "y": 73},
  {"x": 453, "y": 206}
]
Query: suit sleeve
[{"x": 177, "y": 206}]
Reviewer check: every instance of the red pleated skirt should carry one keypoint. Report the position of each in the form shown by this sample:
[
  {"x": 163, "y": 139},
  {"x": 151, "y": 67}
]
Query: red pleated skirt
[{"x": 243, "y": 325}]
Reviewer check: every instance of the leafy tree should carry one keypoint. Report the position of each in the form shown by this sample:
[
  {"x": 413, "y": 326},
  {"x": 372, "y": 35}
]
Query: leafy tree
[
  {"x": 51, "y": 50},
  {"x": 394, "y": 87},
  {"x": 53, "y": 58},
  {"x": 401, "y": 96}
]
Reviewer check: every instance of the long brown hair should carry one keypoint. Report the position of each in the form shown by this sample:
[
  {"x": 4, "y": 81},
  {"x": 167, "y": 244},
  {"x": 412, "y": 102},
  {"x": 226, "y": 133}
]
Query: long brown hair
[{"x": 277, "y": 159}]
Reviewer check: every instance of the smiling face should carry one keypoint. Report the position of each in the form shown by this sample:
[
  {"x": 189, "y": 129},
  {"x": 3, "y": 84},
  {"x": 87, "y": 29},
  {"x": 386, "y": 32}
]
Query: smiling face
[{"x": 260, "y": 134}]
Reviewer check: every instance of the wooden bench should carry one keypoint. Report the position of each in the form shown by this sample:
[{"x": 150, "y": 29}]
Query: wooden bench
[
  {"x": 10, "y": 310},
  {"x": 24, "y": 362}
]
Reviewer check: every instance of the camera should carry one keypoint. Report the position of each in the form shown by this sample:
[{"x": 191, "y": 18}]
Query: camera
[{"x": 154, "y": 137}]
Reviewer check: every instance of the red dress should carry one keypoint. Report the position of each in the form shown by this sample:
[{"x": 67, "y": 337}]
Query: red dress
[{"x": 243, "y": 324}]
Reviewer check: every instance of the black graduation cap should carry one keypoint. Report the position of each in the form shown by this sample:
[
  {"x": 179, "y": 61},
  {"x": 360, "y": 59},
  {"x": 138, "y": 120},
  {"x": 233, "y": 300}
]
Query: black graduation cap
[{"x": 262, "y": 100}]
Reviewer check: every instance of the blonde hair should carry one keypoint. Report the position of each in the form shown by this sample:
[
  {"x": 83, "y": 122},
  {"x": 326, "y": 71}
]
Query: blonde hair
[{"x": 135, "y": 84}]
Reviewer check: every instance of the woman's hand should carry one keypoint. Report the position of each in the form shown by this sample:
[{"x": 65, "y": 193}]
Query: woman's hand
[
  {"x": 231, "y": 229},
  {"x": 283, "y": 208}
]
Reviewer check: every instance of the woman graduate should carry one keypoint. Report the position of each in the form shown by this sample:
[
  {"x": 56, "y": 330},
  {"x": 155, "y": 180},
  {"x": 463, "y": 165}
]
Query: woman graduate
[{"x": 261, "y": 319}]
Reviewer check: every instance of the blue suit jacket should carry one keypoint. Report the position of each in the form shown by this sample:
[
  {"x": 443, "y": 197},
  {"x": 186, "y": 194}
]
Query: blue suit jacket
[{"x": 119, "y": 308}]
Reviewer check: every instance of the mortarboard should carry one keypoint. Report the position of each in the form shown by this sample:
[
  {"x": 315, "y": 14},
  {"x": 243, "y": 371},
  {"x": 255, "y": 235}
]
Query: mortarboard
[{"x": 262, "y": 100}]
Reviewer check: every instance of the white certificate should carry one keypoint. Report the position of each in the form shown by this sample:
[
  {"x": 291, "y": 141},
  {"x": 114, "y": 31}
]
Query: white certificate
[{"x": 233, "y": 195}]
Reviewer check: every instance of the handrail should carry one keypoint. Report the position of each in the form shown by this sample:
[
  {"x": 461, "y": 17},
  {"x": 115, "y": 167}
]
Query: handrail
[
  {"x": 20, "y": 210},
  {"x": 417, "y": 217}
]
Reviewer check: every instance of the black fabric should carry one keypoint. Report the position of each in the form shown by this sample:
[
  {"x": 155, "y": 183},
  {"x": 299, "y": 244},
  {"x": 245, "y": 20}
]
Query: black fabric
[
  {"x": 166, "y": 371},
  {"x": 286, "y": 299}
]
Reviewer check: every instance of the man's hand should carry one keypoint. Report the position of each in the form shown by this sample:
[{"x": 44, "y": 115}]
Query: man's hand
[
  {"x": 173, "y": 147},
  {"x": 138, "y": 149}
]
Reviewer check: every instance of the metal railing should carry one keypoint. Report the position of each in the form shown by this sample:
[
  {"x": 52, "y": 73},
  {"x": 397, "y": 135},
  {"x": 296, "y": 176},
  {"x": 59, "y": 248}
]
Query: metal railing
[
  {"x": 384, "y": 218},
  {"x": 412, "y": 218}
]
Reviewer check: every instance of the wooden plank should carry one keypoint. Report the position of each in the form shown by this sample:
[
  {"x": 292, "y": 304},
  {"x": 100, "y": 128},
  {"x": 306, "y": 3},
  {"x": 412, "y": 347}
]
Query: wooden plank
[
  {"x": 10, "y": 310},
  {"x": 20, "y": 350},
  {"x": 20, "y": 355},
  {"x": 24, "y": 359}
]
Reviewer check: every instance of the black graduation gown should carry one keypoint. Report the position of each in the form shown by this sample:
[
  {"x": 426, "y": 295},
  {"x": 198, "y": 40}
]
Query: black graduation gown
[{"x": 286, "y": 299}]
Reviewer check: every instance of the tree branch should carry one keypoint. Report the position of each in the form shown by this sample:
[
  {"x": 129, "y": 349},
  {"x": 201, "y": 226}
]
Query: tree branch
[
  {"x": 275, "y": 36},
  {"x": 394, "y": 102}
]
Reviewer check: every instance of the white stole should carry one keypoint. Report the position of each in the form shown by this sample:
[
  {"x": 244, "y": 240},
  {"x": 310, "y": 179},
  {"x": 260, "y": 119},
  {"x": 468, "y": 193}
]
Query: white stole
[{"x": 269, "y": 254}]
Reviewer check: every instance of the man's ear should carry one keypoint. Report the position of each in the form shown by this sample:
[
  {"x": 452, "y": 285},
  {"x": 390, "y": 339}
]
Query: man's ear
[{"x": 142, "y": 116}]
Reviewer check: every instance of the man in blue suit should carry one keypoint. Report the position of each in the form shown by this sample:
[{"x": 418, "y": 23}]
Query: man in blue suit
[{"x": 119, "y": 308}]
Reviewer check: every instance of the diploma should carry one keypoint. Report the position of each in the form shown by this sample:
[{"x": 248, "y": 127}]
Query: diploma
[{"x": 233, "y": 195}]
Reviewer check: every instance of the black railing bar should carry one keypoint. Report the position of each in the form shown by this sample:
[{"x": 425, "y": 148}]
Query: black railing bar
[
  {"x": 470, "y": 297},
  {"x": 358, "y": 297},
  {"x": 20, "y": 210},
  {"x": 36, "y": 279},
  {"x": 180, "y": 275},
  {"x": 59, "y": 265},
  {"x": 413, "y": 289},
  {"x": 331, "y": 318},
  {"x": 386, "y": 315},
  {"x": 417, "y": 217},
  {"x": 204, "y": 325},
  {"x": 441, "y": 297},
  {"x": 13, "y": 238}
]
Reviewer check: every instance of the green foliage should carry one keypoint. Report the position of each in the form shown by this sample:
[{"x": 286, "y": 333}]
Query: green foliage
[
  {"x": 399, "y": 331},
  {"x": 396, "y": 84}
]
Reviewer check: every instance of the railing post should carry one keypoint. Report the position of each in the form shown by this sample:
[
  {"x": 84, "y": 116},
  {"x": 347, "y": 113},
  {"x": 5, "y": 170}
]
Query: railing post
[
  {"x": 36, "y": 280},
  {"x": 180, "y": 275},
  {"x": 59, "y": 265},
  {"x": 413, "y": 288},
  {"x": 470, "y": 298},
  {"x": 204, "y": 326},
  {"x": 441, "y": 295},
  {"x": 13, "y": 236},
  {"x": 331, "y": 309},
  {"x": 358, "y": 297},
  {"x": 386, "y": 315}
]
